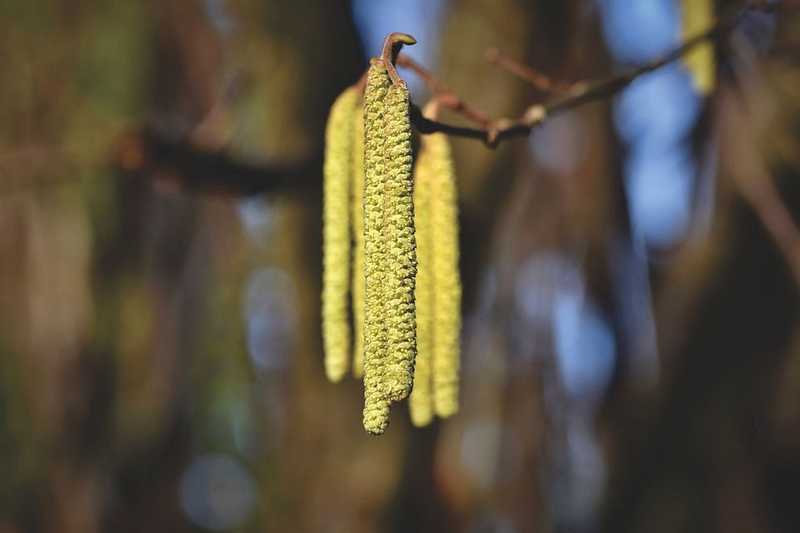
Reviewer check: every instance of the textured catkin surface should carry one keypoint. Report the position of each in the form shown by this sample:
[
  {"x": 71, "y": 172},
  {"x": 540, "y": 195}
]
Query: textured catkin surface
[
  {"x": 357, "y": 215},
  {"x": 376, "y": 402},
  {"x": 401, "y": 260},
  {"x": 420, "y": 402},
  {"x": 446, "y": 278},
  {"x": 337, "y": 172}
]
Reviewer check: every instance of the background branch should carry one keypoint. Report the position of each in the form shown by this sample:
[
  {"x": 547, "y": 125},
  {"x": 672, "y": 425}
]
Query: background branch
[
  {"x": 540, "y": 81},
  {"x": 445, "y": 95},
  {"x": 179, "y": 163}
]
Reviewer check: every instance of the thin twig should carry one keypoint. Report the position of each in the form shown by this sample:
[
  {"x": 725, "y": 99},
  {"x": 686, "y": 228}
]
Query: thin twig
[
  {"x": 584, "y": 92},
  {"x": 444, "y": 94},
  {"x": 540, "y": 81}
]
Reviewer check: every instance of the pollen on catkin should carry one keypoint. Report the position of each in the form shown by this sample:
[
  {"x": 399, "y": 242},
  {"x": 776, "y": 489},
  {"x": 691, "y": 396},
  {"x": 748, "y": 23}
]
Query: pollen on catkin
[
  {"x": 446, "y": 279},
  {"x": 698, "y": 16},
  {"x": 357, "y": 215},
  {"x": 420, "y": 403},
  {"x": 376, "y": 401},
  {"x": 337, "y": 172},
  {"x": 400, "y": 258}
]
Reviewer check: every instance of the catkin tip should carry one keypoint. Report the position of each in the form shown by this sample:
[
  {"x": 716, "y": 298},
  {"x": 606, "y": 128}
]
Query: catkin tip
[
  {"x": 376, "y": 417},
  {"x": 335, "y": 374},
  {"x": 420, "y": 416}
]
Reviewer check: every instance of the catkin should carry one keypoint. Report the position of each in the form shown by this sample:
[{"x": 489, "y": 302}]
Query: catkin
[
  {"x": 697, "y": 17},
  {"x": 389, "y": 248},
  {"x": 376, "y": 402},
  {"x": 420, "y": 402},
  {"x": 357, "y": 214},
  {"x": 401, "y": 260},
  {"x": 337, "y": 172},
  {"x": 446, "y": 280}
]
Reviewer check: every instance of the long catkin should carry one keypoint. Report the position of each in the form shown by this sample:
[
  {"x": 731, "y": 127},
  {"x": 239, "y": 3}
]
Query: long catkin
[
  {"x": 357, "y": 214},
  {"x": 401, "y": 260},
  {"x": 389, "y": 248},
  {"x": 376, "y": 402},
  {"x": 446, "y": 279},
  {"x": 337, "y": 173},
  {"x": 420, "y": 402}
]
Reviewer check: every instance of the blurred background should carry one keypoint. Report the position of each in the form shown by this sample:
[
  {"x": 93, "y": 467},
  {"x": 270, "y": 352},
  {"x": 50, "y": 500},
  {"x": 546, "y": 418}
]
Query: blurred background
[{"x": 631, "y": 344}]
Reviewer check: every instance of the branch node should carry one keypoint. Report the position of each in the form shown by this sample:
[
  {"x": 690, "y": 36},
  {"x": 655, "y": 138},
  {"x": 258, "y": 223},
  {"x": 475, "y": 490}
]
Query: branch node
[{"x": 534, "y": 115}]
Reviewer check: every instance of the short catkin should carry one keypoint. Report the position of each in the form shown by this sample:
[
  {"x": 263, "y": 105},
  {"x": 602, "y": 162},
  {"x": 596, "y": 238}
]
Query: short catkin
[
  {"x": 357, "y": 215},
  {"x": 376, "y": 402},
  {"x": 420, "y": 402},
  {"x": 337, "y": 172},
  {"x": 446, "y": 279}
]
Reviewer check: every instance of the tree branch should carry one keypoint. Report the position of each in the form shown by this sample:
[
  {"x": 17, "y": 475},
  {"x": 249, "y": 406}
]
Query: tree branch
[
  {"x": 445, "y": 95},
  {"x": 181, "y": 164},
  {"x": 584, "y": 92},
  {"x": 540, "y": 81},
  {"x": 176, "y": 163}
]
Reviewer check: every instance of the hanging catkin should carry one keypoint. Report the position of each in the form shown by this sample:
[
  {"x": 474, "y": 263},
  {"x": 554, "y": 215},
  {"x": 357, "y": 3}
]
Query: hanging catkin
[
  {"x": 357, "y": 214},
  {"x": 337, "y": 172},
  {"x": 389, "y": 246},
  {"x": 698, "y": 16},
  {"x": 376, "y": 402},
  {"x": 446, "y": 280},
  {"x": 420, "y": 402},
  {"x": 401, "y": 260}
]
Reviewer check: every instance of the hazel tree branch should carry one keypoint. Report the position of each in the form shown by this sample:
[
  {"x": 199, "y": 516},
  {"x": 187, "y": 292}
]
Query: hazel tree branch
[
  {"x": 444, "y": 94},
  {"x": 581, "y": 93},
  {"x": 538, "y": 80},
  {"x": 177, "y": 164},
  {"x": 180, "y": 164}
]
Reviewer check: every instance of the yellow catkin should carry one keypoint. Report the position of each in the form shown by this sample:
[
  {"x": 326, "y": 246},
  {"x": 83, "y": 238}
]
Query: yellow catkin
[
  {"x": 401, "y": 260},
  {"x": 446, "y": 278},
  {"x": 389, "y": 248},
  {"x": 697, "y": 17},
  {"x": 376, "y": 402},
  {"x": 337, "y": 172},
  {"x": 420, "y": 402},
  {"x": 357, "y": 214}
]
